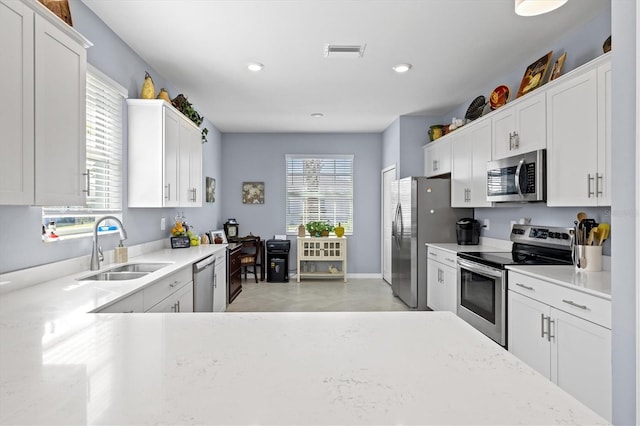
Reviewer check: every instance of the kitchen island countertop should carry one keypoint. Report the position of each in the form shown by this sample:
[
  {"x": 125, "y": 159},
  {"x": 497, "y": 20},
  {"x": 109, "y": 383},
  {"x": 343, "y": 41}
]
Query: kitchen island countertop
[{"x": 60, "y": 364}]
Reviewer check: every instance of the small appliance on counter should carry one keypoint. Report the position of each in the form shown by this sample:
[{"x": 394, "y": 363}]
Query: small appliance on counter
[{"x": 468, "y": 232}]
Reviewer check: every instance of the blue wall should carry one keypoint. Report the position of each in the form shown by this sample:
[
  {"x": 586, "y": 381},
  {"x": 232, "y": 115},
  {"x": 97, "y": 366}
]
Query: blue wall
[
  {"x": 20, "y": 227},
  {"x": 261, "y": 157}
]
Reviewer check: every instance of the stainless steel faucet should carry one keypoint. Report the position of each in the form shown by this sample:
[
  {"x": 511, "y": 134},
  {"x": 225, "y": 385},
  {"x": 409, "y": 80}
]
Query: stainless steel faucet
[{"x": 96, "y": 253}]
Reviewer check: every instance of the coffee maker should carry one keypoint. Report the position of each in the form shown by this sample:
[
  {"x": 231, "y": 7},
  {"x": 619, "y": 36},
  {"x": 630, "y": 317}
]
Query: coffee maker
[{"x": 468, "y": 231}]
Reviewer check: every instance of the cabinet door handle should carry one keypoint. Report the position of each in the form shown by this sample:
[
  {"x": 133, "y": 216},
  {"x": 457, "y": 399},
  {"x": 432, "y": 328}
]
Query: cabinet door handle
[
  {"x": 599, "y": 184},
  {"x": 88, "y": 190},
  {"x": 514, "y": 140},
  {"x": 572, "y": 303},
  {"x": 543, "y": 318},
  {"x": 178, "y": 306},
  {"x": 435, "y": 165},
  {"x": 168, "y": 192},
  {"x": 549, "y": 335},
  {"x": 193, "y": 194},
  {"x": 525, "y": 286},
  {"x": 589, "y": 180}
]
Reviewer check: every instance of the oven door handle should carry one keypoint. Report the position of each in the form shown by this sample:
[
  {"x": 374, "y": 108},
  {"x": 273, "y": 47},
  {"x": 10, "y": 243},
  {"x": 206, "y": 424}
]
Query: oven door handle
[
  {"x": 517, "y": 178},
  {"x": 480, "y": 269}
]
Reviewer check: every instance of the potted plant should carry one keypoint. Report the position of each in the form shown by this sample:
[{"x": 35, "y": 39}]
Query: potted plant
[
  {"x": 319, "y": 228},
  {"x": 181, "y": 103}
]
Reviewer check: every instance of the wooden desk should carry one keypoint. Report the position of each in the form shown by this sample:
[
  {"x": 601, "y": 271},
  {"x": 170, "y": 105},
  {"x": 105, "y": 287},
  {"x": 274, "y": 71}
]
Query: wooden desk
[{"x": 261, "y": 253}]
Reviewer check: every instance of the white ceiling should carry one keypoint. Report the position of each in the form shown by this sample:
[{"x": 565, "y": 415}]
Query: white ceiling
[{"x": 455, "y": 46}]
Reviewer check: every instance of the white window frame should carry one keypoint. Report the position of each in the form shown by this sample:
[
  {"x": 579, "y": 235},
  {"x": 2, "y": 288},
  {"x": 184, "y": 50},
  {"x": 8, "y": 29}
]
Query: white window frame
[
  {"x": 293, "y": 219},
  {"x": 115, "y": 130}
]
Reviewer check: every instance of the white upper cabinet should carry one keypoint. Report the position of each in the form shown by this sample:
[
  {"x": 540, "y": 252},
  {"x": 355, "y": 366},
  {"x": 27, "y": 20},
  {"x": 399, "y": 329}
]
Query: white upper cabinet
[
  {"x": 520, "y": 127},
  {"x": 44, "y": 124},
  {"x": 437, "y": 157},
  {"x": 165, "y": 156},
  {"x": 190, "y": 184},
  {"x": 578, "y": 138},
  {"x": 470, "y": 151}
]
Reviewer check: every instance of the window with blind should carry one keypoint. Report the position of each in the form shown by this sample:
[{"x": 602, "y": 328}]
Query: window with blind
[
  {"x": 105, "y": 100},
  {"x": 319, "y": 188}
]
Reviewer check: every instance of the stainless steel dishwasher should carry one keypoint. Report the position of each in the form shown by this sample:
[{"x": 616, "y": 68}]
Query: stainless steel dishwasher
[{"x": 203, "y": 283}]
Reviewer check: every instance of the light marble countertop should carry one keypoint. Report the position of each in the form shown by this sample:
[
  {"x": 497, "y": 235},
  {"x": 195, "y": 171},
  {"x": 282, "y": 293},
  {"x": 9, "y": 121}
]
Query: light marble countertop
[
  {"x": 60, "y": 364},
  {"x": 268, "y": 368}
]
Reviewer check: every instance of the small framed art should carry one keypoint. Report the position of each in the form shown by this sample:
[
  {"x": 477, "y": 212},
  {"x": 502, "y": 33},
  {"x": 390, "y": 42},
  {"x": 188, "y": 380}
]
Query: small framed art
[
  {"x": 252, "y": 192},
  {"x": 210, "y": 189},
  {"x": 218, "y": 237},
  {"x": 534, "y": 75}
]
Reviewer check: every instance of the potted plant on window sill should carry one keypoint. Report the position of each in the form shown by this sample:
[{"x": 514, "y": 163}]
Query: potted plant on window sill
[{"x": 319, "y": 228}]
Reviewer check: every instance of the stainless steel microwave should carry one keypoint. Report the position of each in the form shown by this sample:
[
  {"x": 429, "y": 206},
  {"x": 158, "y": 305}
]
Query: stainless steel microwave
[{"x": 521, "y": 178}]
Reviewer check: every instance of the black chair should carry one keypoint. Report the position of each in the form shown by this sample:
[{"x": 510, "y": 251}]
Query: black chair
[{"x": 249, "y": 256}]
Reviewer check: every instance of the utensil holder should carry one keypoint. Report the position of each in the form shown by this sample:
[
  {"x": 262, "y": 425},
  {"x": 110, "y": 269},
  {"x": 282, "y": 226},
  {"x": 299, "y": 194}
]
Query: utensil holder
[{"x": 588, "y": 258}]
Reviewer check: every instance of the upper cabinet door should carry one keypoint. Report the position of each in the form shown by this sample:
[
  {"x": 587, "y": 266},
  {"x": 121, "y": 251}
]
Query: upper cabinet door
[
  {"x": 17, "y": 111},
  {"x": 60, "y": 112},
  {"x": 520, "y": 128},
  {"x": 572, "y": 137},
  {"x": 603, "y": 178}
]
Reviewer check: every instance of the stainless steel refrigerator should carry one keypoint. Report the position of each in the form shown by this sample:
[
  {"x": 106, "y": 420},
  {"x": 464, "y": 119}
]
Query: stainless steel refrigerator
[{"x": 423, "y": 214}]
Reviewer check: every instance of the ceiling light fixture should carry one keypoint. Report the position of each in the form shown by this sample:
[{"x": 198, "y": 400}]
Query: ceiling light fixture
[
  {"x": 255, "y": 67},
  {"x": 537, "y": 7},
  {"x": 400, "y": 68},
  {"x": 317, "y": 115}
]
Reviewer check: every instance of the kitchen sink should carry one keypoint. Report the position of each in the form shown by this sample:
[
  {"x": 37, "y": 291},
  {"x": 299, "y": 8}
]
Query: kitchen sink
[
  {"x": 114, "y": 276},
  {"x": 130, "y": 271},
  {"x": 138, "y": 267}
]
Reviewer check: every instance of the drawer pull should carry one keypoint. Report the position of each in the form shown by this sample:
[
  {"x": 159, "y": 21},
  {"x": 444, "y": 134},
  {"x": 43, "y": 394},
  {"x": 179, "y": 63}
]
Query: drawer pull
[
  {"x": 173, "y": 284},
  {"x": 433, "y": 254},
  {"x": 525, "y": 286},
  {"x": 572, "y": 303}
]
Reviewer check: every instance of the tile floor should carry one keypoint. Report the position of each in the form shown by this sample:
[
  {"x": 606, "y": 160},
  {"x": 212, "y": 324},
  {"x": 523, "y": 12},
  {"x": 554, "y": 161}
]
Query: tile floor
[{"x": 356, "y": 295}]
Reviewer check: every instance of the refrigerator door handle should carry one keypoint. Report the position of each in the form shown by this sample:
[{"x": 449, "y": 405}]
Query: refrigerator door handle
[
  {"x": 394, "y": 229},
  {"x": 400, "y": 221}
]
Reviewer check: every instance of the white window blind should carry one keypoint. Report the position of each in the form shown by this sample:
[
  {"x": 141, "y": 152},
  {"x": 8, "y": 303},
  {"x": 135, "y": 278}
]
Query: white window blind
[
  {"x": 104, "y": 110},
  {"x": 319, "y": 188}
]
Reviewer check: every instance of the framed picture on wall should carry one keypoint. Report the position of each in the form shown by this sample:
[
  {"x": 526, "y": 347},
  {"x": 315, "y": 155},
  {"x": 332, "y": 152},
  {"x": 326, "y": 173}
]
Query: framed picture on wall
[
  {"x": 210, "y": 189},
  {"x": 252, "y": 192}
]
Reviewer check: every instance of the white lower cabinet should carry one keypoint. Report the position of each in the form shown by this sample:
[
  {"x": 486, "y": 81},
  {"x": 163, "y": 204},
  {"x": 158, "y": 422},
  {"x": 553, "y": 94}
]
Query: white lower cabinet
[
  {"x": 180, "y": 301},
  {"x": 442, "y": 280},
  {"x": 170, "y": 294},
  {"x": 571, "y": 351},
  {"x": 129, "y": 305}
]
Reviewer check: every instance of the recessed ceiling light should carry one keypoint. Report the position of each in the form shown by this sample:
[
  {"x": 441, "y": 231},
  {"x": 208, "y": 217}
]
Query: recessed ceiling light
[
  {"x": 400, "y": 68},
  {"x": 255, "y": 66},
  {"x": 317, "y": 115},
  {"x": 537, "y": 7}
]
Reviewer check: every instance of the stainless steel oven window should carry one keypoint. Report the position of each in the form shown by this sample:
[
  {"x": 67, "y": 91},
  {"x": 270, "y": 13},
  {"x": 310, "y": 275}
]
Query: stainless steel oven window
[{"x": 478, "y": 294}]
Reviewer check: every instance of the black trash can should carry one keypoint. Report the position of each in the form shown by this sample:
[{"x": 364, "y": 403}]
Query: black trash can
[{"x": 277, "y": 260}]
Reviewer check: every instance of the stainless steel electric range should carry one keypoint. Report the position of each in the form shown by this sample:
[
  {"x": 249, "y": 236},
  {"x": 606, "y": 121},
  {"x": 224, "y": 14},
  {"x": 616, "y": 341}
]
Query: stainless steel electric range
[{"x": 482, "y": 276}]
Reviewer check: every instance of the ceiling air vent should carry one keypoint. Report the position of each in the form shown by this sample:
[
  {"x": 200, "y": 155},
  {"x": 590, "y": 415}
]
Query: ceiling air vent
[{"x": 344, "y": 50}]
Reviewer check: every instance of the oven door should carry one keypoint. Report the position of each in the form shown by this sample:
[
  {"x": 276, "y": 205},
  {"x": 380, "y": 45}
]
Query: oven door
[{"x": 482, "y": 298}]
